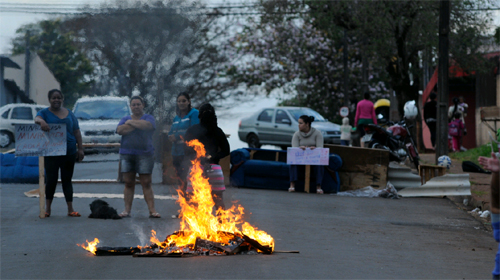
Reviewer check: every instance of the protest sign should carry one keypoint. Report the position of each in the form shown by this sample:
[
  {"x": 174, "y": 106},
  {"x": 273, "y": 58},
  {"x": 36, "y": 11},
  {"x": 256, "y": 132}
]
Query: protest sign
[
  {"x": 31, "y": 140},
  {"x": 317, "y": 156}
]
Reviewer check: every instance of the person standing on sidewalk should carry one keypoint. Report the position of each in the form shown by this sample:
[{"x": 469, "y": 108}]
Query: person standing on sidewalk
[
  {"x": 493, "y": 165},
  {"x": 136, "y": 155},
  {"x": 430, "y": 116},
  {"x": 365, "y": 114},
  {"x": 57, "y": 114},
  {"x": 187, "y": 116}
]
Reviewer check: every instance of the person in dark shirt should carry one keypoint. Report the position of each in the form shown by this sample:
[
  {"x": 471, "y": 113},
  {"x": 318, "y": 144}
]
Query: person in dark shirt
[
  {"x": 430, "y": 116},
  {"x": 216, "y": 146}
]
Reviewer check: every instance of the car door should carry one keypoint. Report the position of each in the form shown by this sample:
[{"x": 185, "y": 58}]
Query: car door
[
  {"x": 284, "y": 127},
  {"x": 264, "y": 125}
]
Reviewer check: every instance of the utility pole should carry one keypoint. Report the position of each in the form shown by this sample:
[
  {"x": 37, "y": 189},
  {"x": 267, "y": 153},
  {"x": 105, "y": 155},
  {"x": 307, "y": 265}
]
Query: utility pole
[
  {"x": 27, "y": 59},
  {"x": 442, "y": 118}
]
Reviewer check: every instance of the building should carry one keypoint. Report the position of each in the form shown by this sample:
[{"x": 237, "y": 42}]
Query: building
[{"x": 41, "y": 80}]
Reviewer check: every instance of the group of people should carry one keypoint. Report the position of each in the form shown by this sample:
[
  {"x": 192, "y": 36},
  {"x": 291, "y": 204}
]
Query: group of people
[
  {"x": 456, "y": 121},
  {"x": 137, "y": 151}
]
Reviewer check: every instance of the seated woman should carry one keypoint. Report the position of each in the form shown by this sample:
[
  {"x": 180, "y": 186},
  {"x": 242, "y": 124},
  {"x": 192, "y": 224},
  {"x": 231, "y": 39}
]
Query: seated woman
[{"x": 307, "y": 137}]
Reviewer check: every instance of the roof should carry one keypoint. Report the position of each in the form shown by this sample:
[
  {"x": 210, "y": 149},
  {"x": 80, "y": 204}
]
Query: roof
[
  {"x": 7, "y": 62},
  {"x": 14, "y": 88}
]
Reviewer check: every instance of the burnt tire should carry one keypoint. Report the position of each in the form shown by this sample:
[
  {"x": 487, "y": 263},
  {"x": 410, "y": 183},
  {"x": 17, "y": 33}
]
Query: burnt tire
[{"x": 253, "y": 141}]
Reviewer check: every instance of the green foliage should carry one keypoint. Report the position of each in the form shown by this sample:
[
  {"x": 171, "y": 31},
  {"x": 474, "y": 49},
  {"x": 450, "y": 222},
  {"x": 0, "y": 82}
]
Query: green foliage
[
  {"x": 473, "y": 154},
  {"x": 57, "y": 50}
]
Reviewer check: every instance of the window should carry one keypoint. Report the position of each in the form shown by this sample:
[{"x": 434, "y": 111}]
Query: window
[
  {"x": 22, "y": 113},
  {"x": 296, "y": 113},
  {"x": 281, "y": 117},
  {"x": 38, "y": 109},
  {"x": 266, "y": 115},
  {"x": 5, "y": 115},
  {"x": 102, "y": 109}
]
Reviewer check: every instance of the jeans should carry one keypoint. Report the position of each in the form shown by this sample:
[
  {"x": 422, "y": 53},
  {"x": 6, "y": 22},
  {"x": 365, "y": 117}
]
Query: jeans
[{"x": 320, "y": 170}]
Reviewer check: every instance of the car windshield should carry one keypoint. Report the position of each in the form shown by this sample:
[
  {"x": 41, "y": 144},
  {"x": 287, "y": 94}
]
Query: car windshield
[
  {"x": 296, "y": 113},
  {"x": 101, "y": 109}
]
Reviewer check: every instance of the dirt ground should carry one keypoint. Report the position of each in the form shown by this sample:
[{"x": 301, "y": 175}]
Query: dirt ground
[{"x": 480, "y": 188}]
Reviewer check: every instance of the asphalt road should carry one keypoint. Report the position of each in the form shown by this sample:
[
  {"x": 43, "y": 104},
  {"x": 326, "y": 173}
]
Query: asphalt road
[{"x": 338, "y": 237}]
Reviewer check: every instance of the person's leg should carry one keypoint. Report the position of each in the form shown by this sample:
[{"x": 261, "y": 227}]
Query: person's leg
[
  {"x": 147, "y": 189},
  {"x": 218, "y": 200},
  {"x": 51, "y": 165},
  {"x": 293, "y": 177},
  {"x": 320, "y": 171},
  {"x": 177, "y": 161},
  {"x": 455, "y": 144},
  {"x": 128, "y": 170},
  {"x": 67, "y": 169},
  {"x": 432, "y": 130}
]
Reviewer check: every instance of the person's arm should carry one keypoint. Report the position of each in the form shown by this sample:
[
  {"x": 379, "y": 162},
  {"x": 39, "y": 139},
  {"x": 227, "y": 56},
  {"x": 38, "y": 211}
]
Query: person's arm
[
  {"x": 319, "y": 139},
  {"x": 124, "y": 129},
  {"x": 140, "y": 124},
  {"x": 42, "y": 123},
  {"x": 223, "y": 146},
  {"x": 356, "y": 118},
  {"x": 79, "y": 142},
  {"x": 295, "y": 139},
  {"x": 493, "y": 164}
]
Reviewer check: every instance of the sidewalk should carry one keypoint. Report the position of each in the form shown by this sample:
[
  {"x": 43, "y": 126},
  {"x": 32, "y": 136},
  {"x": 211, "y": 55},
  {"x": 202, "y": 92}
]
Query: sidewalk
[{"x": 480, "y": 184}]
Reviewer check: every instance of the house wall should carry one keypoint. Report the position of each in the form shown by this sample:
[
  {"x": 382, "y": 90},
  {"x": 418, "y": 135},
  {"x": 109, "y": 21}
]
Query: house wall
[{"x": 42, "y": 79}]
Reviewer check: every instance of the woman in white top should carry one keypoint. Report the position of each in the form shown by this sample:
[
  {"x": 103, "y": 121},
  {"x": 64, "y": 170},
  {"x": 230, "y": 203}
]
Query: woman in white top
[{"x": 307, "y": 137}]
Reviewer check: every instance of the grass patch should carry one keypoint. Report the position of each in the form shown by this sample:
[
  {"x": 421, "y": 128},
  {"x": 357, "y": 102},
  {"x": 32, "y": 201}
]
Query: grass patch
[
  {"x": 479, "y": 193},
  {"x": 472, "y": 154}
]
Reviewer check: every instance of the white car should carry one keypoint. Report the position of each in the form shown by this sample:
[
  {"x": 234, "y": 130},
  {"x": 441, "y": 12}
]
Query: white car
[
  {"x": 12, "y": 114},
  {"x": 98, "y": 118}
]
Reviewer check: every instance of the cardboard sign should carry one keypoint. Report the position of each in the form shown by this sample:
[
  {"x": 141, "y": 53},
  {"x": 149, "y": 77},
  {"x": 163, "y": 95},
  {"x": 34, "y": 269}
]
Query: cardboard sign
[
  {"x": 31, "y": 140},
  {"x": 317, "y": 156}
]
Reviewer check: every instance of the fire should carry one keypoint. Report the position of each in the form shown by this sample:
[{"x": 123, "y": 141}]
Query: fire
[
  {"x": 199, "y": 224},
  {"x": 91, "y": 246},
  {"x": 198, "y": 220}
]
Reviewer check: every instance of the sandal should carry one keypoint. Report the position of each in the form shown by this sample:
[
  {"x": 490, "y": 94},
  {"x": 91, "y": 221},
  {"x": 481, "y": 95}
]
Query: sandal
[
  {"x": 319, "y": 191},
  {"x": 124, "y": 214},
  {"x": 291, "y": 189},
  {"x": 47, "y": 215},
  {"x": 155, "y": 215},
  {"x": 74, "y": 214}
]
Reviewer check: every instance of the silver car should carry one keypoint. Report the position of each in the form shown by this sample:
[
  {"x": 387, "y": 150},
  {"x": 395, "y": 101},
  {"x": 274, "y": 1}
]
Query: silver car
[{"x": 276, "y": 126}]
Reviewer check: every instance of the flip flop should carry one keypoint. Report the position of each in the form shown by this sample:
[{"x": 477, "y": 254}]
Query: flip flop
[
  {"x": 155, "y": 215},
  {"x": 124, "y": 214},
  {"x": 74, "y": 214},
  {"x": 47, "y": 215}
]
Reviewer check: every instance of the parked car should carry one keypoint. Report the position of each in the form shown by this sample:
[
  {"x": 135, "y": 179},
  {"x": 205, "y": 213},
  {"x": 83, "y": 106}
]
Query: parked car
[
  {"x": 12, "y": 114},
  {"x": 276, "y": 126},
  {"x": 98, "y": 118}
]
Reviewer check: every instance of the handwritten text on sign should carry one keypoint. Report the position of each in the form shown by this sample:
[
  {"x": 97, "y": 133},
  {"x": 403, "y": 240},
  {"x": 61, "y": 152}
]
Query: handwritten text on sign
[
  {"x": 31, "y": 140},
  {"x": 317, "y": 156}
]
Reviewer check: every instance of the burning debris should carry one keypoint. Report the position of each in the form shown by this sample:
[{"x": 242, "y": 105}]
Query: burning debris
[{"x": 201, "y": 232}]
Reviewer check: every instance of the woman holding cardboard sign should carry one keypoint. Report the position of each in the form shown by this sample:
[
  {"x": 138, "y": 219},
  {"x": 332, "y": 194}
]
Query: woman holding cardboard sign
[
  {"x": 57, "y": 114},
  {"x": 307, "y": 137}
]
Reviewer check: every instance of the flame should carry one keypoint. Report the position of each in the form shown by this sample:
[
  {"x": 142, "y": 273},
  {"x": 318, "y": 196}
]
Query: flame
[
  {"x": 198, "y": 220},
  {"x": 92, "y": 246}
]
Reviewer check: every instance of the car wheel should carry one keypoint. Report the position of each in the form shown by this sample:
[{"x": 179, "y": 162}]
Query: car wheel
[
  {"x": 253, "y": 141},
  {"x": 5, "y": 139}
]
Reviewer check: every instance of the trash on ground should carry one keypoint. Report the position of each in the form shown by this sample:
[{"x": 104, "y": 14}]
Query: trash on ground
[{"x": 388, "y": 192}]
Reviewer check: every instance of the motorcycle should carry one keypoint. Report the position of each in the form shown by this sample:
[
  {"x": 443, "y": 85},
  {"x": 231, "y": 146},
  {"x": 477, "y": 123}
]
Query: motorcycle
[{"x": 396, "y": 139}]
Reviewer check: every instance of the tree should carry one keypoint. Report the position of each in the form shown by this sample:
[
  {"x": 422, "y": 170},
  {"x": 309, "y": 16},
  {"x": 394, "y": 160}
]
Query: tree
[
  {"x": 156, "y": 49},
  {"x": 281, "y": 52},
  {"x": 58, "y": 51},
  {"x": 399, "y": 33}
]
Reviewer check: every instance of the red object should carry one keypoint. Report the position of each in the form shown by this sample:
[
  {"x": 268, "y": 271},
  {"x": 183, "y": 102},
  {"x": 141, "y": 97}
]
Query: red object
[{"x": 398, "y": 130}]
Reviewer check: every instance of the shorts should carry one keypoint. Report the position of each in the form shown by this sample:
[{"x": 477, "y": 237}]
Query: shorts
[{"x": 142, "y": 164}]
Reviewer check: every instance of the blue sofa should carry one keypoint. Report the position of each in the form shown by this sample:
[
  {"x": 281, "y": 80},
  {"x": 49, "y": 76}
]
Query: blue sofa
[
  {"x": 267, "y": 169},
  {"x": 18, "y": 169}
]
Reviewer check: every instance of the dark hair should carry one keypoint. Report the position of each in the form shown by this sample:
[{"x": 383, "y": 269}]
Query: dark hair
[
  {"x": 455, "y": 101},
  {"x": 207, "y": 116},
  {"x": 457, "y": 115},
  {"x": 307, "y": 119},
  {"x": 52, "y": 91},
  {"x": 433, "y": 95},
  {"x": 177, "y": 110},
  {"x": 138, "y": 98},
  {"x": 367, "y": 95}
]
